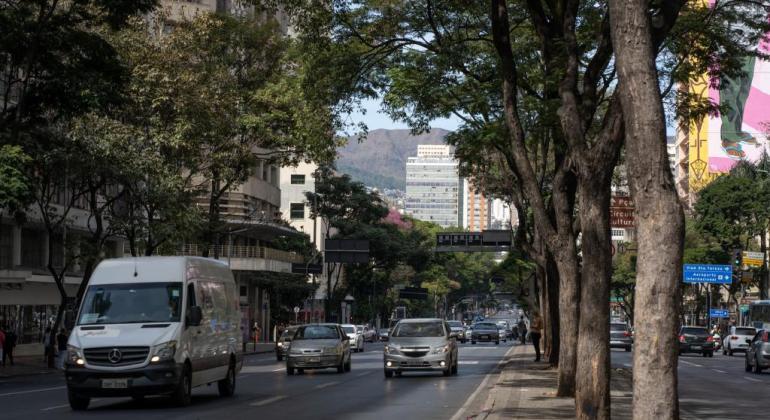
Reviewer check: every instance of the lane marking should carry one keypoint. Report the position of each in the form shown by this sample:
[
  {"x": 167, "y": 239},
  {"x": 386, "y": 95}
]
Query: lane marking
[
  {"x": 751, "y": 379},
  {"x": 268, "y": 401},
  {"x": 460, "y": 414},
  {"x": 467, "y": 362},
  {"x": 691, "y": 363},
  {"x": 362, "y": 374},
  {"x": 31, "y": 391},
  {"x": 628, "y": 365},
  {"x": 54, "y": 407},
  {"x": 278, "y": 370},
  {"x": 718, "y": 371},
  {"x": 326, "y": 385}
]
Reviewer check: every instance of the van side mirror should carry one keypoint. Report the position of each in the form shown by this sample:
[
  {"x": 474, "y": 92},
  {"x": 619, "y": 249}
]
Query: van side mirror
[
  {"x": 748, "y": 341},
  {"x": 453, "y": 334},
  {"x": 194, "y": 316}
]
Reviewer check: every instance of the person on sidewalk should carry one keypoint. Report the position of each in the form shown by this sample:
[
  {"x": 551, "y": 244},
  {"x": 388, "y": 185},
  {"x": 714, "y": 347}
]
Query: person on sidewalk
[
  {"x": 535, "y": 330},
  {"x": 522, "y": 329},
  {"x": 9, "y": 345},
  {"x": 2, "y": 344},
  {"x": 61, "y": 345}
]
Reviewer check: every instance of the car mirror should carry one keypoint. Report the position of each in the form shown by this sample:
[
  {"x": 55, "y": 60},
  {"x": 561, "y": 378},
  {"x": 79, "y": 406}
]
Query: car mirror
[
  {"x": 453, "y": 334},
  {"x": 194, "y": 316},
  {"x": 345, "y": 338},
  {"x": 748, "y": 341},
  {"x": 385, "y": 338}
]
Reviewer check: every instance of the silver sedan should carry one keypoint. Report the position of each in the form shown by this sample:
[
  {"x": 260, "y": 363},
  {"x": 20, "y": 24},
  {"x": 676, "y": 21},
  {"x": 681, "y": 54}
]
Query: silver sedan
[
  {"x": 423, "y": 344},
  {"x": 319, "y": 346}
]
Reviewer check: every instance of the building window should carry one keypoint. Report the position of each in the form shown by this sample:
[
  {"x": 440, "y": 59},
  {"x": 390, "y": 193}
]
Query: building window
[
  {"x": 297, "y": 211},
  {"x": 298, "y": 179}
]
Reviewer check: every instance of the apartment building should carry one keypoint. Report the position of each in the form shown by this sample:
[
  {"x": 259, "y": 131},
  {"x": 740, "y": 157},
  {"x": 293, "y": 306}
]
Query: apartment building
[{"x": 434, "y": 189}]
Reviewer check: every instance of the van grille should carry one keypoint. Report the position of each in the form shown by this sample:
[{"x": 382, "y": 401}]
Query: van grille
[{"x": 116, "y": 356}]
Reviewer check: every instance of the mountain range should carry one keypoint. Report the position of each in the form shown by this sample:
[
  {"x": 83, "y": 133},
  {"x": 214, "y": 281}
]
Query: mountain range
[{"x": 379, "y": 160}]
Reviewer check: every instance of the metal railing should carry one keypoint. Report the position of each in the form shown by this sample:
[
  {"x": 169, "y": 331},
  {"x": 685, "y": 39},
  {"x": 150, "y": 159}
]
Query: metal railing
[{"x": 241, "y": 251}]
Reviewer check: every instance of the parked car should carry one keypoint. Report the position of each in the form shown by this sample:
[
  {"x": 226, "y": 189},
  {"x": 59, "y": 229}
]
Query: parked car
[
  {"x": 382, "y": 334},
  {"x": 421, "y": 344},
  {"x": 735, "y": 340},
  {"x": 283, "y": 342},
  {"x": 458, "y": 328},
  {"x": 621, "y": 336},
  {"x": 142, "y": 324},
  {"x": 319, "y": 346},
  {"x": 356, "y": 337},
  {"x": 485, "y": 332},
  {"x": 696, "y": 340}
]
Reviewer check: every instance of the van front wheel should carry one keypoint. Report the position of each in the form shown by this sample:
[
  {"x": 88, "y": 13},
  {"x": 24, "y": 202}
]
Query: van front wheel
[
  {"x": 227, "y": 385},
  {"x": 77, "y": 403},
  {"x": 183, "y": 392}
]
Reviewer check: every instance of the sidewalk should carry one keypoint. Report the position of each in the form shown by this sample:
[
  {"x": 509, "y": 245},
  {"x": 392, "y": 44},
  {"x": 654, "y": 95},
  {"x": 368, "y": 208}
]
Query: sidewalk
[{"x": 526, "y": 390}]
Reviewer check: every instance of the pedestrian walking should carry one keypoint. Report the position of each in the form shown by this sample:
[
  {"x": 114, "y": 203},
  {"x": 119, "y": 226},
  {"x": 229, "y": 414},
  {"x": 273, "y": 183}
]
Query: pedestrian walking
[
  {"x": 61, "y": 346},
  {"x": 8, "y": 345},
  {"x": 535, "y": 330},
  {"x": 522, "y": 329},
  {"x": 47, "y": 347}
]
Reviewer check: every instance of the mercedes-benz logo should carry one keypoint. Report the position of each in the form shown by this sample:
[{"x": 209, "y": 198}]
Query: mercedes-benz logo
[{"x": 114, "y": 356}]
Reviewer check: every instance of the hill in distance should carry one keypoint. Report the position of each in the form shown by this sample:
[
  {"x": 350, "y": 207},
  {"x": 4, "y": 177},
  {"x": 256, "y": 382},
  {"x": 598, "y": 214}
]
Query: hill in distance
[{"x": 380, "y": 159}]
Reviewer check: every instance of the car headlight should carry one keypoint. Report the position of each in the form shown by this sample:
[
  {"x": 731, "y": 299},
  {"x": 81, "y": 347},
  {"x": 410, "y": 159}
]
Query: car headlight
[
  {"x": 75, "y": 356},
  {"x": 442, "y": 349},
  {"x": 391, "y": 349},
  {"x": 332, "y": 350},
  {"x": 164, "y": 352},
  {"x": 280, "y": 344},
  {"x": 294, "y": 351}
]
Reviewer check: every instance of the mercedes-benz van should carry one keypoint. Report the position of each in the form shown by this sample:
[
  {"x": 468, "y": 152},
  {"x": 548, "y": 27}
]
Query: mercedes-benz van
[{"x": 155, "y": 325}]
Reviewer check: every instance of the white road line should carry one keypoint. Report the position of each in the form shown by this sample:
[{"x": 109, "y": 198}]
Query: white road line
[
  {"x": 718, "y": 371},
  {"x": 628, "y": 365},
  {"x": 31, "y": 391},
  {"x": 278, "y": 370},
  {"x": 362, "y": 374},
  {"x": 751, "y": 379},
  {"x": 691, "y": 363},
  {"x": 54, "y": 407},
  {"x": 326, "y": 385},
  {"x": 268, "y": 401},
  {"x": 467, "y": 362},
  {"x": 461, "y": 412}
]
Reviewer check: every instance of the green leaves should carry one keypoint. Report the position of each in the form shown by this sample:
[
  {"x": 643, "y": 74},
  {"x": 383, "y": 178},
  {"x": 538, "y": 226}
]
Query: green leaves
[{"x": 15, "y": 188}]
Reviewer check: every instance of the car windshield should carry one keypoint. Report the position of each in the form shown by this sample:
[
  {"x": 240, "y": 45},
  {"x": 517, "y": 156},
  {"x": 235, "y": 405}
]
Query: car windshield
[
  {"x": 419, "y": 329},
  {"x": 485, "y": 326},
  {"x": 618, "y": 327},
  {"x": 455, "y": 324},
  {"x": 745, "y": 331},
  {"x": 349, "y": 330},
  {"x": 694, "y": 331},
  {"x": 317, "y": 332},
  {"x": 131, "y": 303}
]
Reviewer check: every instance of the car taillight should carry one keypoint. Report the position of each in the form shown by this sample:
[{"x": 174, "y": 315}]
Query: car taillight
[
  {"x": 627, "y": 334},
  {"x": 733, "y": 337},
  {"x": 710, "y": 339},
  {"x": 681, "y": 338}
]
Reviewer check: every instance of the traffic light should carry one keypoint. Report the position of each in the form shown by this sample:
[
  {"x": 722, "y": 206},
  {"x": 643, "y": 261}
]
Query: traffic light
[{"x": 737, "y": 258}]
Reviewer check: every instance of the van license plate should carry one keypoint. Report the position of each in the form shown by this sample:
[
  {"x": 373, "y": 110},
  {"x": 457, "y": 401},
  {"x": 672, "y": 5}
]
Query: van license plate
[{"x": 114, "y": 383}]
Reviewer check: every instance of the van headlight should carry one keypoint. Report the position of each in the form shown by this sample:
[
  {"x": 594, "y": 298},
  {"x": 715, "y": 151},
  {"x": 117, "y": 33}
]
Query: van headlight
[
  {"x": 75, "y": 356},
  {"x": 164, "y": 352},
  {"x": 442, "y": 349}
]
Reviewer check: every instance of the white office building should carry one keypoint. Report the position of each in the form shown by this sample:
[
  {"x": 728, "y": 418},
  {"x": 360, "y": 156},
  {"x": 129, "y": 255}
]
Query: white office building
[{"x": 434, "y": 189}]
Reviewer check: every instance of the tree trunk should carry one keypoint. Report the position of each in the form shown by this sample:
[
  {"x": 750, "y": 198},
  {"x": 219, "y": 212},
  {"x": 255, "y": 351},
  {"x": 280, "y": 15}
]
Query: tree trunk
[
  {"x": 763, "y": 283},
  {"x": 658, "y": 214},
  {"x": 592, "y": 379},
  {"x": 552, "y": 326},
  {"x": 569, "y": 296}
]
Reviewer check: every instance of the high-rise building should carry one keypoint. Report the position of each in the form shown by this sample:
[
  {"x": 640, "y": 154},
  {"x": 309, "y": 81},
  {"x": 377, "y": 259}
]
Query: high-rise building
[
  {"x": 434, "y": 189},
  {"x": 477, "y": 214}
]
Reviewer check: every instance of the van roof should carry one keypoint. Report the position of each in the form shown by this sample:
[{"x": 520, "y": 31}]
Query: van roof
[{"x": 157, "y": 269}]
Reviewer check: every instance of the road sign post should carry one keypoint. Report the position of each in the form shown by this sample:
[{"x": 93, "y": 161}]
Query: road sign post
[{"x": 708, "y": 273}]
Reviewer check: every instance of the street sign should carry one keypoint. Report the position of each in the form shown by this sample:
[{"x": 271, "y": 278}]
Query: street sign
[
  {"x": 753, "y": 259},
  {"x": 621, "y": 212},
  {"x": 413, "y": 293},
  {"x": 353, "y": 251},
  {"x": 486, "y": 241},
  {"x": 302, "y": 268},
  {"x": 708, "y": 273},
  {"x": 719, "y": 313}
]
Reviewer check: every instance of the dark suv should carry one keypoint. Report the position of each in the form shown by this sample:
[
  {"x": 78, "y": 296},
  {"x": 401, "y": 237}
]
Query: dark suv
[
  {"x": 696, "y": 340},
  {"x": 620, "y": 336}
]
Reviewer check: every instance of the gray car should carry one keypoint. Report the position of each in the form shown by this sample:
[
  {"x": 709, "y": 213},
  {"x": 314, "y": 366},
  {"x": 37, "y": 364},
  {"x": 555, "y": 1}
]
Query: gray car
[
  {"x": 318, "y": 346},
  {"x": 421, "y": 344},
  {"x": 282, "y": 345},
  {"x": 758, "y": 353},
  {"x": 621, "y": 336}
]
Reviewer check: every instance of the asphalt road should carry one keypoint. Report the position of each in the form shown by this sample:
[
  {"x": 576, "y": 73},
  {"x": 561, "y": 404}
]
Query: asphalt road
[
  {"x": 715, "y": 388},
  {"x": 265, "y": 391}
]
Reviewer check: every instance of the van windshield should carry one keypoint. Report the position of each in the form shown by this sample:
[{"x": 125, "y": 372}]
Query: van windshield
[{"x": 132, "y": 303}]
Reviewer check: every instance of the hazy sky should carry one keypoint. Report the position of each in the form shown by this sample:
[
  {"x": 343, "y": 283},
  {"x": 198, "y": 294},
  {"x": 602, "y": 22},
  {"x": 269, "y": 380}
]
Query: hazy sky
[{"x": 375, "y": 119}]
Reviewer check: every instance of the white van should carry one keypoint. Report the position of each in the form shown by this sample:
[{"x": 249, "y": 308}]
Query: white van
[{"x": 155, "y": 325}]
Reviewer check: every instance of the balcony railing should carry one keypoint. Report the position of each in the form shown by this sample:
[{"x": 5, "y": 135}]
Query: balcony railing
[{"x": 242, "y": 251}]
